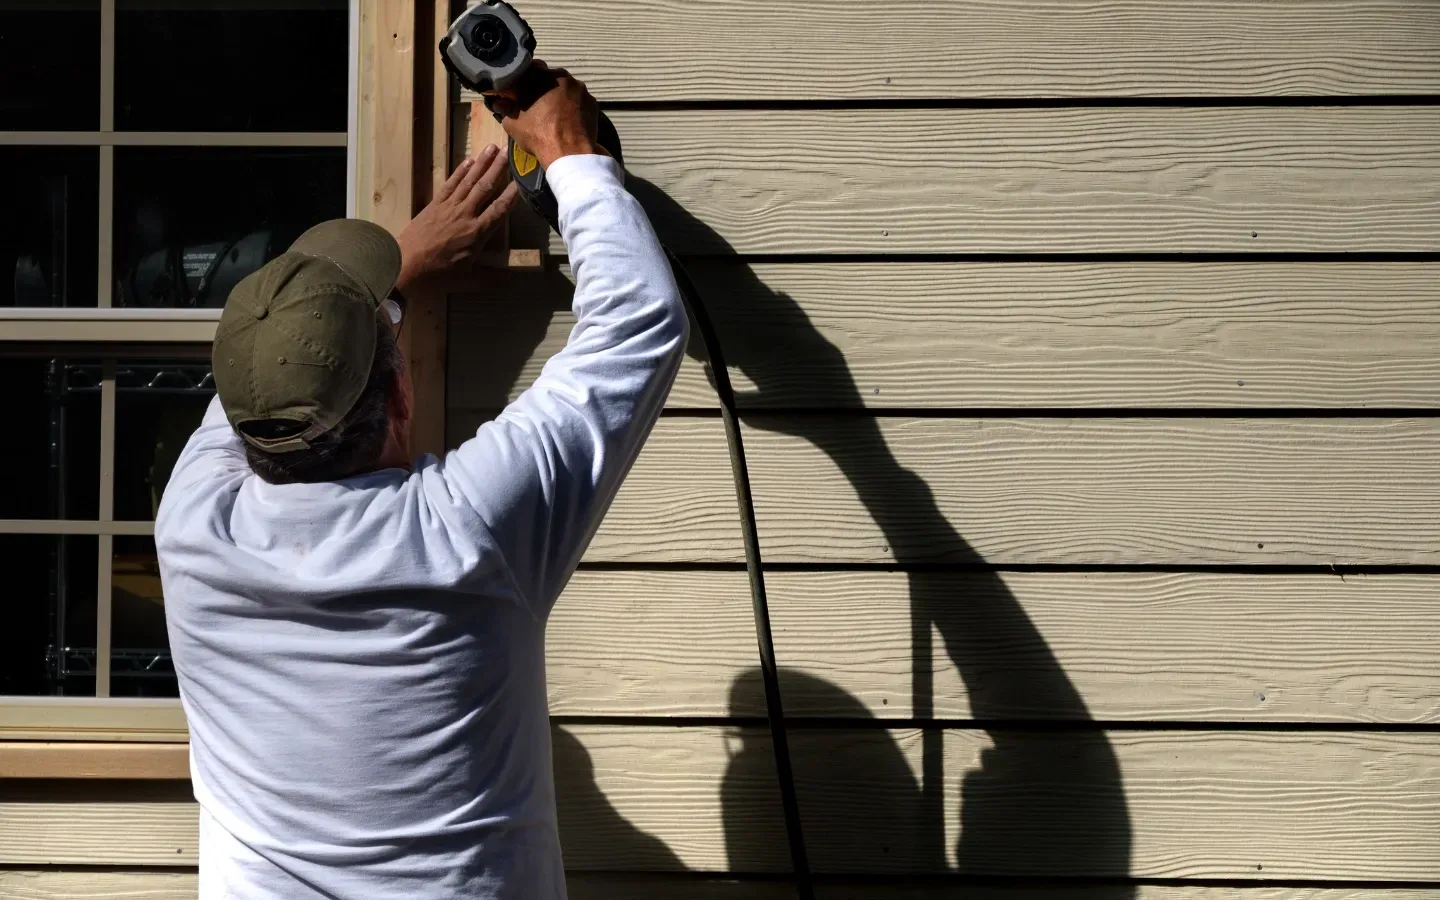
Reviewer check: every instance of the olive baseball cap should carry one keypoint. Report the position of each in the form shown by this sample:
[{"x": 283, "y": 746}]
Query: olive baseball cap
[{"x": 296, "y": 341}]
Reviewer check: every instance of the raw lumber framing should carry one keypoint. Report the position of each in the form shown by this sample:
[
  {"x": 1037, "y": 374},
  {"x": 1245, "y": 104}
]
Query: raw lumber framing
[
  {"x": 1008, "y": 335},
  {"x": 686, "y": 50},
  {"x": 1040, "y": 180}
]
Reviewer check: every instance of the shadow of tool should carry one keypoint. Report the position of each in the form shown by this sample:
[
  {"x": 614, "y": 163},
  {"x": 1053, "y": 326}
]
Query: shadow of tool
[{"x": 1044, "y": 801}]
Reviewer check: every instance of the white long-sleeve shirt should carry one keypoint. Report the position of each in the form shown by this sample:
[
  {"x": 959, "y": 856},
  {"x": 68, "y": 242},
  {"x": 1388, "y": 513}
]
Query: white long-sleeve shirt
[{"x": 362, "y": 662}]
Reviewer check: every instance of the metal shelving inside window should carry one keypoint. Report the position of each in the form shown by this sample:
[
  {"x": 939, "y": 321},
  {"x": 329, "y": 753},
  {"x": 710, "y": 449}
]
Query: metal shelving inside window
[{"x": 146, "y": 179}]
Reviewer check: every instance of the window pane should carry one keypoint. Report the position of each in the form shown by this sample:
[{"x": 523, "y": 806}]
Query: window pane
[
  {"x": 190, "y": 223},
  {"x": 158, "y": 405},
  {"x": 50, "y": 615},
  {"x": 49, "y": 232},
  {"x": 140, "y": 663},
  {"x": 229, "y": 65},
  {"x": 50, "y": 65},
  {"x": 54, "y": 438}
]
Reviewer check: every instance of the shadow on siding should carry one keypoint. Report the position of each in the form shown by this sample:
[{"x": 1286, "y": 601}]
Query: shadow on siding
[
  {"x": 1046, "y": 803},
  {"x": 1043, "y": 803}
]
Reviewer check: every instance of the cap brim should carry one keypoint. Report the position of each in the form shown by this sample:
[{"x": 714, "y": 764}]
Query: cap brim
[{"x": 362, "y": 249}]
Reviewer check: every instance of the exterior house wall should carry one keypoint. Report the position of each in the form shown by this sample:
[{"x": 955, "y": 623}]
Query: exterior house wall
[{"x": 1088, "y": 353}]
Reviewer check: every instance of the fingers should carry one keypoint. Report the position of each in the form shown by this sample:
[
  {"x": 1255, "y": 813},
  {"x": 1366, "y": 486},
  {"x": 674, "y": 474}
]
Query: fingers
[
  {"x": 475, "y": 172},
  {"x": 489, "y": 183},
  {"x": 448, "y": 188},
  {"x": 495, "y": 213}
]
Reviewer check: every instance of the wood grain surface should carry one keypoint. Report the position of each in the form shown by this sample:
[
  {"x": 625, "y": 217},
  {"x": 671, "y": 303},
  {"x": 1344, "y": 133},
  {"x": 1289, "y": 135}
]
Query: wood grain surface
[
  {"x": 103, "y": 884},
  {"x": 1178, "y": 647},
  {"x": 651, "y": 644},
  {"x": 1303, "y": 491},
  {"x": 1183, "y": 804},
  {"x": 107, "y": 760},
  {"x": 1064, "y": 491},
  {"x": 1020, "y": 181},
  {"x": 669, "y": 50},
  {"x": 976, "y": 335}
]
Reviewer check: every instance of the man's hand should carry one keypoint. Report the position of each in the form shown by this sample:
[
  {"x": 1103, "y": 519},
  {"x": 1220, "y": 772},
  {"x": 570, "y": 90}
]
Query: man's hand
[
  {"x": 550, "y": 114},
  {"x": 444, "y": 238}
]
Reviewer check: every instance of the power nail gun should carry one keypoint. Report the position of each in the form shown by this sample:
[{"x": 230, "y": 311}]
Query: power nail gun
[{"x": 490, "y": 48}]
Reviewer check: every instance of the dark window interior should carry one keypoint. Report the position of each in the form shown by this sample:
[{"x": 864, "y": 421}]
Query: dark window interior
[
  {"x": 49, "y": 225},
  {"x": 188, "y": 223},
  {"x": 50, "y": 65},
  {"x": 50, "y": 614},
  {"x": 191, "y": 222},
  {"x": 231, "y": 66},
  {"x": 54, "y": 438}
]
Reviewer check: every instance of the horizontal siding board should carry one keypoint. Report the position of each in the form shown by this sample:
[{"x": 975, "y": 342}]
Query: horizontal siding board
[
  {"x": 116, "y": 823},
  {"x": 53, "y": 884},
  {"x": 1062, "y": 491},
  {"x": 666, "y": 799},
  {"x": 590, "y": 886},
  {"x": 1047, "y": 180},
  {"x": 1186, "y": 804},
  {"x": 1150, "y": 804},
  {"x": 672, "y": 50},
  {"x": 651, "y": 644},
  {"x": 1193, "y": 647},
  {"x": 1010, "y": 335},
  {"x": 1301, "y": 491},
  {"x": 1172, "y": 646},
  {"x": 898, "y": 889},
  {"x": 102, "y": 884}
]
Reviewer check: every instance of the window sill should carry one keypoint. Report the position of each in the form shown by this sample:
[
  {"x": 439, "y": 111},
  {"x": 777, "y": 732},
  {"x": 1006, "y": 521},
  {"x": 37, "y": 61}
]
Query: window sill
[
  {"x": 92, "y": 324},
  {"x": 88, "y": 719}
]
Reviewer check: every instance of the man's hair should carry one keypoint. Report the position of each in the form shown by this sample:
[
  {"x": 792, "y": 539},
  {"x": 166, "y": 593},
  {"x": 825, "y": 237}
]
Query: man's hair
[{"x": 352, "y": 446}]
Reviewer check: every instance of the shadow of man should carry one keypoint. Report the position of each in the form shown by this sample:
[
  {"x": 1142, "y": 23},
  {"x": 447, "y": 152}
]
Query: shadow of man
[{"x": 1043, "y": 802}]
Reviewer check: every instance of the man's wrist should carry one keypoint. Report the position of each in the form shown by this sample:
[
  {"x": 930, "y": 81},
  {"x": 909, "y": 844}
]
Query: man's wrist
[{"x": 548, "y": 156}]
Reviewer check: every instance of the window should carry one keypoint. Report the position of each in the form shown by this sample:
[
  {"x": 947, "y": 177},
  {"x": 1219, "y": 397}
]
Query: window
[{"x": 154, "y": 152}]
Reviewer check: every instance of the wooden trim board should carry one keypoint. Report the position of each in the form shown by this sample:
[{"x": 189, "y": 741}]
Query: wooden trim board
[
  {"x": 54, "y": 760},
  {"x": 88, "y": 719}
]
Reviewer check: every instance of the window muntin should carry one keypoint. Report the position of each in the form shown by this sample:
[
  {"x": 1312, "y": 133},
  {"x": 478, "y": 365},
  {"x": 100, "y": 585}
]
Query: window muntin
[{"x": 124, "y": 168}]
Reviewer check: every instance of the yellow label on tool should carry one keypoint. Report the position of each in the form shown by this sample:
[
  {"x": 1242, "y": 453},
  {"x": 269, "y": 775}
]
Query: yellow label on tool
[{"x": 524, "y": 162}]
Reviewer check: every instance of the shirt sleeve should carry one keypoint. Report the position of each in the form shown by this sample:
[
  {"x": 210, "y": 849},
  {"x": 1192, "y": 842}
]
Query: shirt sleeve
[{"x": 543, "y": 474}]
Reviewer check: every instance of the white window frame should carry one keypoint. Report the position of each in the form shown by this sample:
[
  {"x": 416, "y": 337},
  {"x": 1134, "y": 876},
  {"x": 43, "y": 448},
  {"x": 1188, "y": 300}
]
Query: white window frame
[{"x": 113, "y": 331}]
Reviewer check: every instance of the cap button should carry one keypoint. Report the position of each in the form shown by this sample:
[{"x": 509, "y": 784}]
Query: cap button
[{"x": 262, "y": 312}]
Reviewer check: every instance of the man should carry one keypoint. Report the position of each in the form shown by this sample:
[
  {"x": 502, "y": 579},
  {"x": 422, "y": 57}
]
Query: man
[{"x": 360, "y": 641}]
